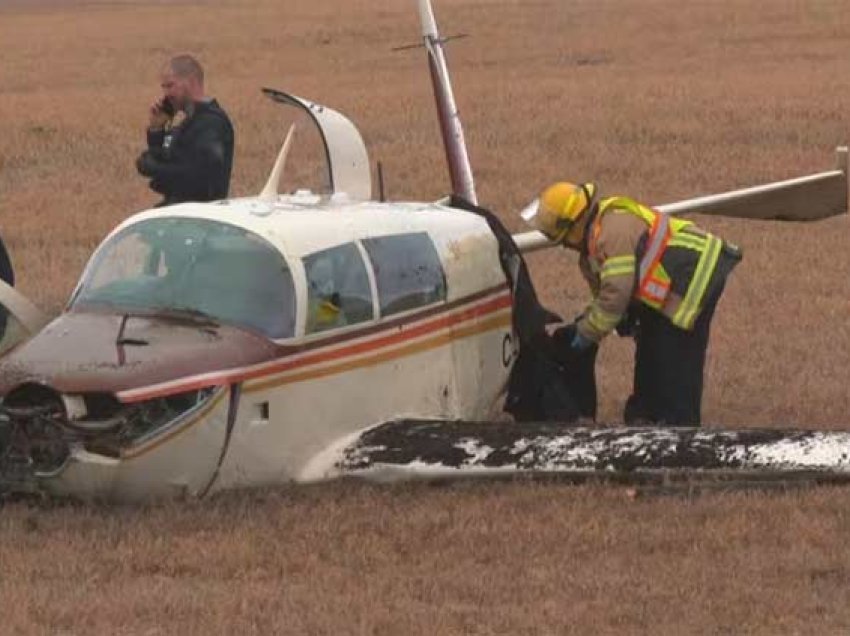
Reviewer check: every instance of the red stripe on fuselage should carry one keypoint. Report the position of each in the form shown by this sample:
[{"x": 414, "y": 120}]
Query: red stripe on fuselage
[{"x": 450, "y": 317}]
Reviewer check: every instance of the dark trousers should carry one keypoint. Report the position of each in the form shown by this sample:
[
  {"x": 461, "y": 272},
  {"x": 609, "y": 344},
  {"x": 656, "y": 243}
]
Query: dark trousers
[{"x": 669, "y": 365}]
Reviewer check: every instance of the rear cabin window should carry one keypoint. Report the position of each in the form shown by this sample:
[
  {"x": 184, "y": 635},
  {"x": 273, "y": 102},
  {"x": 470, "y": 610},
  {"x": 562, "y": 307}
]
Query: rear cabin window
[
  {"x": 338, "y": 291},
  {"x": 407, "y": 270}
]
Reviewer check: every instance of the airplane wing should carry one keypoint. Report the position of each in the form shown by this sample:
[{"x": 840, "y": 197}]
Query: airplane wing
[
  {"x": 809, "y": 198},
  {"x": 451, "y": 128},
  {"x": 445, "y": 450}
]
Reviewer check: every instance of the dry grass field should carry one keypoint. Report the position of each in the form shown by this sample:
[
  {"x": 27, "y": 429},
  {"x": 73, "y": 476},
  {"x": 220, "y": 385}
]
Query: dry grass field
[{"x": 660, "y": 99}]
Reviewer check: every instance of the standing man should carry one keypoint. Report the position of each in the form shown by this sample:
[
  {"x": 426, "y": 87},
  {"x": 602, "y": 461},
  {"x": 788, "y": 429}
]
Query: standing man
[
  {"x": 190, "y": 138},
  {"x": 664, "y": 271}
]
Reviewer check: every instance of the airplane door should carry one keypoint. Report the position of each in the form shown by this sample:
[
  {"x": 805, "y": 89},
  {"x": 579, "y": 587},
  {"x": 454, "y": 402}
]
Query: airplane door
[{"x": 484, "y": 345}]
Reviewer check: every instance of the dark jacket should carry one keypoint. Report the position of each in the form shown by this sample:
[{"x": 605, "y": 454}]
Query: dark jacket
[{"x": 193, "y": 161}]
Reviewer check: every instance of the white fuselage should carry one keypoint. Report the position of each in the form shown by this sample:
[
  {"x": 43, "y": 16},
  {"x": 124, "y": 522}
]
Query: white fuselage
[{"x": 447, "y": 358}]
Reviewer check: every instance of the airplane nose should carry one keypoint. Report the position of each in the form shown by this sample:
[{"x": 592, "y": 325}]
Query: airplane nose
[{"x": 41, "y": 429}]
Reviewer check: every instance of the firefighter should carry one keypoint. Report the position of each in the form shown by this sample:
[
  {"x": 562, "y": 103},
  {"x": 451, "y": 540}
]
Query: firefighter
[{"x": 653, "y": 276}]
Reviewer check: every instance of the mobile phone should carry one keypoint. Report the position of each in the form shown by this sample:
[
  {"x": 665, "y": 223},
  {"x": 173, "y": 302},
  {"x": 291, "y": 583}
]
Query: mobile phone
[{"x": 167, "y": 107}]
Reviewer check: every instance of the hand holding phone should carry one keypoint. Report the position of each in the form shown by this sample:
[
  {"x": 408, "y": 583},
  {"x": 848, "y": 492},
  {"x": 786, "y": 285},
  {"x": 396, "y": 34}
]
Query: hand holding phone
[
  {"x": 161, "y": 112},
  {"x": 166, "y": 107}
]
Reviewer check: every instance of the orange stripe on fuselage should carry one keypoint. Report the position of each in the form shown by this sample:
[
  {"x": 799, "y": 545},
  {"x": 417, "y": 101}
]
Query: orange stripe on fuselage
[
  {"x": 494, "y": 322},
  {"x": 399, "y": 335}
]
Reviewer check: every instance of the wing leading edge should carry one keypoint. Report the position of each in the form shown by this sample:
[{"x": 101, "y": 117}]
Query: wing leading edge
[{"x": 803, "y": 199}]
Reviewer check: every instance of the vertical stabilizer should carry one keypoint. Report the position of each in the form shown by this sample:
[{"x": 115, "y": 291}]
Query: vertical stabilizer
[{"x": 457, "y": 157}]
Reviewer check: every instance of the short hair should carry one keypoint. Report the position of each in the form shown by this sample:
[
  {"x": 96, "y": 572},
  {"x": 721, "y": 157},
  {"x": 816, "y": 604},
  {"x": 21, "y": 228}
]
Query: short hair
[{"x": 186, "y": 66}]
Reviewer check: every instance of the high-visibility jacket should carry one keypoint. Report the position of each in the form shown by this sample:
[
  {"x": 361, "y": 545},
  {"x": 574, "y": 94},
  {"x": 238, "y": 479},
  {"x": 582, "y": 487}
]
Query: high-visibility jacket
[{"x": 636, "y": 253}]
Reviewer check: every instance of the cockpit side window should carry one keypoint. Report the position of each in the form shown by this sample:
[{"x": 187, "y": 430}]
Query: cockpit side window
[
  {"x": 407, "y": 270},
  {"x": 338, "y": 290}
]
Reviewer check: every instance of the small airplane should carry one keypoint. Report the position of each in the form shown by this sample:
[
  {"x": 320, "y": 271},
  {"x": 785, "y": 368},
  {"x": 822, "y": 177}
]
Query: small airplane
[{"x": 297, "y": 337}]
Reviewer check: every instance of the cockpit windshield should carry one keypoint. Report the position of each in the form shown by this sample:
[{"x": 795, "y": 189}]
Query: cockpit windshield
[{"x": 193, "y": 266}]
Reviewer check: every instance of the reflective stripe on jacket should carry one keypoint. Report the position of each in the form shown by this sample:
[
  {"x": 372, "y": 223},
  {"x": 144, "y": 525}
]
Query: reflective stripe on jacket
[{"x": 636, "y": 253}]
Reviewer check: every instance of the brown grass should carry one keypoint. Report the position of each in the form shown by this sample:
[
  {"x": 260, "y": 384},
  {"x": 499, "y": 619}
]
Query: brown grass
[
  {"x": 659, "y": 99},
  {"x": 512, "y": 559}
]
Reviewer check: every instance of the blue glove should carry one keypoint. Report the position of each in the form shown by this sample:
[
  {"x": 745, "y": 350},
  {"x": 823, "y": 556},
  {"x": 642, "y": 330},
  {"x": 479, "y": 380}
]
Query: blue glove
[{"x": 580, "y": 343}]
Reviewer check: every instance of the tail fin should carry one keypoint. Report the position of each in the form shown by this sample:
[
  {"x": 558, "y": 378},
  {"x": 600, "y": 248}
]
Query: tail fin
[{"x": 460, "y": 171}]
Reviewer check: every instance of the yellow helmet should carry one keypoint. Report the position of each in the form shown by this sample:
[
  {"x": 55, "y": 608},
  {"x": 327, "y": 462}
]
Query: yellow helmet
[{"x": 556, "y": 211}]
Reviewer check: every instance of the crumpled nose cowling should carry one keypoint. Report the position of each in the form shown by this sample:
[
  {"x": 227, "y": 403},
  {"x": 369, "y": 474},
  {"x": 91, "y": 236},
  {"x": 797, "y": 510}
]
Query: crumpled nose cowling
[{"x": 91, "y": 352}]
